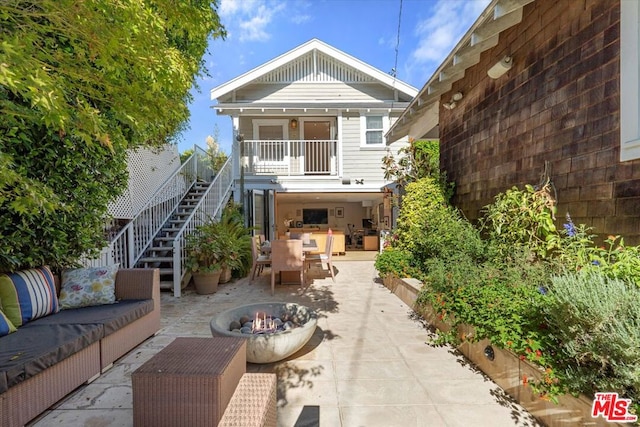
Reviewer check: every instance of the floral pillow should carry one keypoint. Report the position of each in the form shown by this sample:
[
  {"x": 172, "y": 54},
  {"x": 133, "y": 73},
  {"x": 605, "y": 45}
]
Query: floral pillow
[{"x": 85, "y": 287}]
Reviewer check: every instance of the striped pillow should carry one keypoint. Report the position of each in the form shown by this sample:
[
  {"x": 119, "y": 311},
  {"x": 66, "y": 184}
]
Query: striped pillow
[
  {"x": 6, "y": 327},
  {"x": 28, "y": 295}
]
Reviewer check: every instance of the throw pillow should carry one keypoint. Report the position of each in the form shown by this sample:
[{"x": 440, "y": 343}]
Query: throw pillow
[
  {"x": 28, "y": 295},
  {"x": 84, "y": 287},
  {"x": 6, "y": 327}
]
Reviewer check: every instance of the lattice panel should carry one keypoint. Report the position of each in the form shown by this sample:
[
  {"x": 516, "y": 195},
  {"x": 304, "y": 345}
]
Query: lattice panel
[
  {"x": 148, "y": 170},
  {"x": 323, "y": 69}
]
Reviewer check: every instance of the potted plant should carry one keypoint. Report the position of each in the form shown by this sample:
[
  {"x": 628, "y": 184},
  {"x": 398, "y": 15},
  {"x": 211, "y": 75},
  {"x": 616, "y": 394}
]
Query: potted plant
[
  {"x": 235, "y": 243},
  {"x": 204, "y": 256}
]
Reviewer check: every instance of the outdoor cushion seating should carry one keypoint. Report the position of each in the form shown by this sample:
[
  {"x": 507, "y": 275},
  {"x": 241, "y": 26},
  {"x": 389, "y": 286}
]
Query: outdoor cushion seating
[{"x": 48, "y": 357}]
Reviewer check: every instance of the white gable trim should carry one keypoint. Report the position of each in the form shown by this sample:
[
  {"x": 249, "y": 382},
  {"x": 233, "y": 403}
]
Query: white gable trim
[{"x": 302, "y": 50}]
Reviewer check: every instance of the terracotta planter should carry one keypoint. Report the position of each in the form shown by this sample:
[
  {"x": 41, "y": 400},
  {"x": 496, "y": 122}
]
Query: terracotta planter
[
  {"x": 225, "y": 275},
  {"x": 206, "y": 283}
]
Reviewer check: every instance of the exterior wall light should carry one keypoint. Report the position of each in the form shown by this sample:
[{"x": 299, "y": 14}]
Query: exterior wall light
[
  {"x": 454, "y": 99},
  {"x": 500, "y": 67},
  {"x": 489, "y": 353},
  {"x": 293, "y": 124}
]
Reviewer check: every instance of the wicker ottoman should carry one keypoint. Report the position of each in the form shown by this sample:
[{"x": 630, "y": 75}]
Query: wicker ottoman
[
  {"x": 188, "y": 383},
  {"x": 253, "y": 404}
]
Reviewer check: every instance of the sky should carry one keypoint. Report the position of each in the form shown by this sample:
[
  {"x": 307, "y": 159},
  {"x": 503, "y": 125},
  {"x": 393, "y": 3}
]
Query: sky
[{"x": 412, "y": 36}]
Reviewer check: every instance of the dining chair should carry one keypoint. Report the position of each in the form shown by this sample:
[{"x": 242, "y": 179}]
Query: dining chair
[
  {"x": 287, "y": 255},
  {"x": 324, "y": 257},
  {"x": 259, "y": 260}
]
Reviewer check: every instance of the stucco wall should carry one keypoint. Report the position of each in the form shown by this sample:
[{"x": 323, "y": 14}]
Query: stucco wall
[{"x": 560, "y": 103}]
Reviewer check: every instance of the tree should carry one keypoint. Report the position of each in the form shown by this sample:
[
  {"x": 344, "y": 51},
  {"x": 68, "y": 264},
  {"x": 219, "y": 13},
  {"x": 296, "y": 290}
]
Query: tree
[
  {"x": 419, "y": 159},
  {"x": 216, "y": 157},
  {"x": 80, "y": 83}
]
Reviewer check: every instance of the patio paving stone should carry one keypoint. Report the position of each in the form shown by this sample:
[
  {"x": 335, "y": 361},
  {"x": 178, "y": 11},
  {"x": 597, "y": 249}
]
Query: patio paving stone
[{"x": 367, "y": 364}]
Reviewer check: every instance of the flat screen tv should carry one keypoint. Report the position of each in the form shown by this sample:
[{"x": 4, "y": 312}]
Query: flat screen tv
[{"x": 315, "y": 216}]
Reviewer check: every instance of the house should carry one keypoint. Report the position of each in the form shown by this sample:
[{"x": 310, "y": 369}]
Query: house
[
  {"x": 309, "y": 129},
  {"x": 541, "y": 89}
]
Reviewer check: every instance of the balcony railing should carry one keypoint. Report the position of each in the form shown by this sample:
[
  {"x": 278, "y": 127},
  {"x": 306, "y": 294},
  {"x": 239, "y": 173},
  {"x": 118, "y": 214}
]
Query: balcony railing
[{"x": 290, "y": 157}]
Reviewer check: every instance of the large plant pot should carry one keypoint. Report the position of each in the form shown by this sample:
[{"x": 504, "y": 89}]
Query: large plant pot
[
  {"x": 206, "y": 283},
  {"x": 225, "y": 275}
]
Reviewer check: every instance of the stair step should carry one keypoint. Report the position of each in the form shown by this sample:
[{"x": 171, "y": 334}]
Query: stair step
[
  {"x": 156, "y": 259},
  {"x": 160, "y": 249},
  {"x": 165, "y": 271},
  {"x": 177, "y": 221}
]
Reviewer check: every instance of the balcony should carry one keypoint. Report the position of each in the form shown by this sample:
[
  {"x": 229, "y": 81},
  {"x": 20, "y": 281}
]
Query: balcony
[{"x": 290, "y": 157}]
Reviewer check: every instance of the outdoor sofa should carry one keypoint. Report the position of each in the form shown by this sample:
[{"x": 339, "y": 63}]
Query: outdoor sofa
[{"x": 47, "y": 358}]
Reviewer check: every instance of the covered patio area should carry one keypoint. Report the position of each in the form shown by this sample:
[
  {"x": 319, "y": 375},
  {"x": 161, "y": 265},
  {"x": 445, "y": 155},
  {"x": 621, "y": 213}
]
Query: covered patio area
[{"x": 369, "y": 362}]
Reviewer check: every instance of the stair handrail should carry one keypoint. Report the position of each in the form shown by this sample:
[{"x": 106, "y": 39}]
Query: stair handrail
[
  {"x": 209, "y": 206},
  {"x": 129, "y": 244}
]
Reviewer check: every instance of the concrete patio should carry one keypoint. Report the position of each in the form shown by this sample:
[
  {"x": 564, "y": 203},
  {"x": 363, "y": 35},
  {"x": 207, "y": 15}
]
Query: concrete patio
[{"x": 369, "y": 362}]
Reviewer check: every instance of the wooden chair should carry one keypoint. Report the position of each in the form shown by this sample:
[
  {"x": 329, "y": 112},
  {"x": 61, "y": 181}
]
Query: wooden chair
[
  {"x": 259, "y": 260},
  {"x": 324, "y": 257},
  {"x": 286, "y": 255}
]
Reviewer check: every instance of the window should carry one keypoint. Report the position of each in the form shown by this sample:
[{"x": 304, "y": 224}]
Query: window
[
  {"x": 272, "y": 149},
  {"x": 373, "y": 130},
  {"x": 629, "y": 80},
  {"x": 272, "y": 136}
]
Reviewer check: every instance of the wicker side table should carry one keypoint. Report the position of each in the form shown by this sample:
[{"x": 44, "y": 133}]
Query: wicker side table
[{"x": 188, "y": 383}]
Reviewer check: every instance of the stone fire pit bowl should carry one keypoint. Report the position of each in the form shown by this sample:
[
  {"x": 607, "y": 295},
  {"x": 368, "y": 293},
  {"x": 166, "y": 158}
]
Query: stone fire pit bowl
[{"x": 270, "y": 347}]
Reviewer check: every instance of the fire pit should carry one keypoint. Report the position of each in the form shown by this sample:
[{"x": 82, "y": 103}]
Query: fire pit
[{"x": 274, "y": 331}]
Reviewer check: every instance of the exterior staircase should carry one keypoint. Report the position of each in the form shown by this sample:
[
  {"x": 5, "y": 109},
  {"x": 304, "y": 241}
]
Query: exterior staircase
[
  {"x": 160, "y": 253},
  {"x": 156, "y": 237}
]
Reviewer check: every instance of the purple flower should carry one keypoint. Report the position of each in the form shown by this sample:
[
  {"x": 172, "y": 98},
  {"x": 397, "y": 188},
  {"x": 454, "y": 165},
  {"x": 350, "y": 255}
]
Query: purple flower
[
  {"x": 595, "y": 262},
  {"x": 542, "y": 290},
  {"x": 569, "y": 227}
]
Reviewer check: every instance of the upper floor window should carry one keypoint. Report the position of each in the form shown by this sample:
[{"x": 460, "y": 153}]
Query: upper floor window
[
  {"x": 629, "y": 80},
  {"x": 272, "y": 136},
  {"x": 373, "y": 129}
]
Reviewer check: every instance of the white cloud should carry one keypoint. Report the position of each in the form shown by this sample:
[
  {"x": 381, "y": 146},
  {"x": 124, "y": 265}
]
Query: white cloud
[
  {"x": 439, "y": 33},
  {"x": 300, "y": 19},
  {"x": 249, "y": 19}
]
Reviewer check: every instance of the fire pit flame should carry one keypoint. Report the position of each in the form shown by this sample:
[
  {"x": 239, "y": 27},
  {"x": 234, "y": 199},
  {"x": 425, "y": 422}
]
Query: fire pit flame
[{"x": 264, "y": 325}]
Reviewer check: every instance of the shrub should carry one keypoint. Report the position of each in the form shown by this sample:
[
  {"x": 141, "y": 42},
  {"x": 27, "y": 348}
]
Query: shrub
[
  {"x": 595, "y": 322},
  {"x": 522, "y": 220},
  {"x": 428, "y": 228},
  {"x": 502, "y": 302},
  {"x": 395, "y": 262}
]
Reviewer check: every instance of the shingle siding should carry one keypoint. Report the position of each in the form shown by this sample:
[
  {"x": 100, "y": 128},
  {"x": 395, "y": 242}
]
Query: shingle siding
[{"x": 560, "y": 103}]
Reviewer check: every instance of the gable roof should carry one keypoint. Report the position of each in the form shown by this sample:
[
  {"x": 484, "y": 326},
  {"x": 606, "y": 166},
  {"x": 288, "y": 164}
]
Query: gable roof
[{"x": 361, "y": 70}]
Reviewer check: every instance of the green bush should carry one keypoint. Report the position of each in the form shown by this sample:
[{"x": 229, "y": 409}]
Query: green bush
[
  {"x": 428, "y": 228},
  {"x": 502, "y": 302},
  {"x": 521, "y": 220},
  {"x": 396, "y": 262},
  {"x": 595, "y": 322}
]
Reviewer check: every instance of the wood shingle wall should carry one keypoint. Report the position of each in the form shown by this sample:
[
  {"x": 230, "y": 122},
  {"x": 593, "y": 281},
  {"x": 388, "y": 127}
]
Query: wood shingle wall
[{"x": 559, "y": 104}]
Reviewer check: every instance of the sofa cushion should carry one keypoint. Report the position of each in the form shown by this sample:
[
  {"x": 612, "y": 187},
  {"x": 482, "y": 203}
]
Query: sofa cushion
[
  {"x": 85, "y": 287},
  {"x": 28, "y": 294},
  {"x": 112, "y": 317},
  {"x": 6, "y": 327},
  {"x": 34, "y": 348}
]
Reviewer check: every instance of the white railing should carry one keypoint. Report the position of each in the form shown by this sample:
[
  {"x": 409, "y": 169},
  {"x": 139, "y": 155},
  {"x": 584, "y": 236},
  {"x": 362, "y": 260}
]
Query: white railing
[
  {"x": 291, "y": 157},
  {"x": 130, "y": 243},
  {"x": 209, "y": 206}
]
